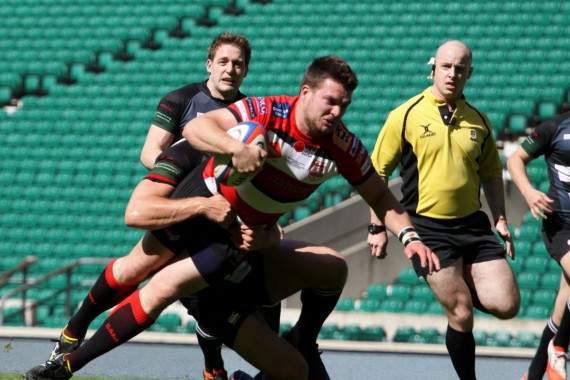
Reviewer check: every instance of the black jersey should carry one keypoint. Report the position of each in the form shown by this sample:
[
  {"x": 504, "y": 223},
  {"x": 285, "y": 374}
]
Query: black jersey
[
  {"x": 180, "y": 106},
  {"x": 552, "y": 139}
]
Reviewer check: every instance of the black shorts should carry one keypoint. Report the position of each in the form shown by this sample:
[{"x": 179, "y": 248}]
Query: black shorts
[
  {"x": 221, "y": 309},
  {"x": 470, "y": 237},
  {"x": 556, "y": 237}
]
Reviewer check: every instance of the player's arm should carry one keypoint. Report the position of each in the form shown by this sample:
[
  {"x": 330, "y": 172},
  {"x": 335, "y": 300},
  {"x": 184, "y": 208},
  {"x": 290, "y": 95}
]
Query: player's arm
[
  {"x": 151, "y": 207},
  {"x": 538, "y": 203},
  {"x": 207, "y": 133},
  {"x": 157, "y": 140},
  {"x": 377, "y": 241},
  {"x": 391, "y": 214}
]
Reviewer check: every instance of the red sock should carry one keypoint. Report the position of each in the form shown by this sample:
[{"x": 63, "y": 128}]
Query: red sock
[
  {"x": 126, "y": 321},
  {"x": 105, "y": 293}
]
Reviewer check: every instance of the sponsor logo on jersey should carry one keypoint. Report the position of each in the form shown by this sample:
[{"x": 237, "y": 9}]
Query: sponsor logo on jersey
[
  {"x": 361, "y": 153},
  {"x": 427, "y": 132},
  {"x": 162, "y": 116},
  {"x": 299, "y": 146},
  {"x": 242, "y": 111},
  {"x": 366, "y": 166},
  {"x": 473, "y": 134},
  {"x": 234, "y": 317},
  {"x": 261, "y": 105},
  {"x": 354, "y": 147},
  {"x": 162, "y": 105},
  {"x": 251, "y": 107},
  {"x": 317, "y": 170},
  {"x": 341, "y": 137},
  {"x": 281, "y": 109}
]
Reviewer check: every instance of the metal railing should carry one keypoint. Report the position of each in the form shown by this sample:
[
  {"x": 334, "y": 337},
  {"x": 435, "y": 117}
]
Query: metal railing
[{"x": 23, "y": 267}]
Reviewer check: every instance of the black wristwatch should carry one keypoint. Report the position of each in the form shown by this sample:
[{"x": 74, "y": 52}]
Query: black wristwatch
[{"x": 374, "y": 229}]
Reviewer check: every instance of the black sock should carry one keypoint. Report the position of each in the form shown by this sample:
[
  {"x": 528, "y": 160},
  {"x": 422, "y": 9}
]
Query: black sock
[
  {"x": 562, "y": 337},
  {"x": 538, "y": 364},
  {"x": 317, "y": 306},
  {"x": 211, "y": 348},
  {"x": 105, "y": 293},
  {"x": 461, "y": 348}
]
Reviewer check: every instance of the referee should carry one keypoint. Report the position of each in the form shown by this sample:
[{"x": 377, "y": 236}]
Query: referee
[{"x": 446, "y": 151}]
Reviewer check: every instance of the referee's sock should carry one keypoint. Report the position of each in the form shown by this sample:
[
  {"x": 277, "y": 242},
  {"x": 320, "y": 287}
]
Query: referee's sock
[
  {"x": 461, "y": 348},
  {"x": 562, "y": 337},
  {"x": 127, "y": 320},
  {"x": 105, "y": 293},
  {"x": 538, "y": 364}
]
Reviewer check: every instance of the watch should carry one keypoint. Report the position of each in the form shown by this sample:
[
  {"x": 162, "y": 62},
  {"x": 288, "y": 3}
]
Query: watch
[{"x": 374, "y": 229}]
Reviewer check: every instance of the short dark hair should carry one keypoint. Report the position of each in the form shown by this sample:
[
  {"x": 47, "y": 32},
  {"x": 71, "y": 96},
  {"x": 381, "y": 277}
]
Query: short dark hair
[
  {"x": 332, "y": 67},
  {"x": 230, "y": 39}
]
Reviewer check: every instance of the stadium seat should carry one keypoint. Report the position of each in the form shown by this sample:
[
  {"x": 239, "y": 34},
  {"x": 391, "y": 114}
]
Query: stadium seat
[
  {"x": 404, "y": 334},
  {"x": 345, "y": 304},
  {"x": 376, "y": 291},
  {"x": 408, "y": 276},
  {"x": 369, "y": 305}
]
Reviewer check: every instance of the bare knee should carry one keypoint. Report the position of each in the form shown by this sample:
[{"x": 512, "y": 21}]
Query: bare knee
[{"x": 509, "y": 309}]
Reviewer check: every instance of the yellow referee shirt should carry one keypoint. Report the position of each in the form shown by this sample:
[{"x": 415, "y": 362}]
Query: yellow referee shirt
[{"x": 444, "y": 156}]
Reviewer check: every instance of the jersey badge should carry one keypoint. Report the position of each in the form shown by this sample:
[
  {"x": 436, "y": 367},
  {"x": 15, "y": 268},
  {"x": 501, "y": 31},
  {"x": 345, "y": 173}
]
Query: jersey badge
[
  {"x": 317, "y": 171},
  {"x": 427, "y": 132}
]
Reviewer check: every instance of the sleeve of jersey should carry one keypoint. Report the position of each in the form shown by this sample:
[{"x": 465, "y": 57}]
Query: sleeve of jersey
[
  {"x": 256, "y": 108},
  {"x": 538, "y": 141},
  {"x": 388, "y": 148},
  {"x": 165, "y": 115},
  {"x": 175, "y": 163},
  {"x": 354, "y": 163}
]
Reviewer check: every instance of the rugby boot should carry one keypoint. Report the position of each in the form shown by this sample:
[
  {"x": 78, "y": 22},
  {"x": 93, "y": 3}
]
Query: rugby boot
[
  {"x": 240, "y": 375},
  {"x": 556, "y": 365},
  {"x": 311, "y": 353},
  {"x": 56, "y": 369},
  {"x": 65, "y": 345},
  {"x": 215, "y": 374}
]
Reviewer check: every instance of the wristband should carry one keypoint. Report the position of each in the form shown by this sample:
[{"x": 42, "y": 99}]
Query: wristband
[
  {"x": 412, "y": 239},
  {"x": 406, "y": 231},
  {"x": 501, "y": 219}
]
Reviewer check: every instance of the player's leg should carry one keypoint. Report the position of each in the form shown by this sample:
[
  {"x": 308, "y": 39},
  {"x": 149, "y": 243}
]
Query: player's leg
[
  {"x": 117, "y": 281},
  {"x": 537, "y": 366},
  {"x": 321, "y": 274},
  {"x": 453, "y": 294},
  {"x": 281, "y": 362},
  {"x": 558, "y": 346}
]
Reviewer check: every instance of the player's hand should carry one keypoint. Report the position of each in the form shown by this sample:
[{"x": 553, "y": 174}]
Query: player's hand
[
  {"x": 503, "y": 229},
  {"x": 249, "y": 159},
  {"x": 218, "y": 210},
  {"x": 539, "y": 203},
  {"x": 255, "y": 238},
  {"x": 427, "y": 257},
  {"x": 378, "y": 244}
]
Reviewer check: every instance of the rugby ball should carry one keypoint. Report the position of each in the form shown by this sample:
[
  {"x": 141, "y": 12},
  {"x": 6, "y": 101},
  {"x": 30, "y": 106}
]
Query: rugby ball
[{"x": 250, "y": 133}]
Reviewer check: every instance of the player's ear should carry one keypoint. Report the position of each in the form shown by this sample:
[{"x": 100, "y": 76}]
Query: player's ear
[{"x": 209, "y": 64}]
